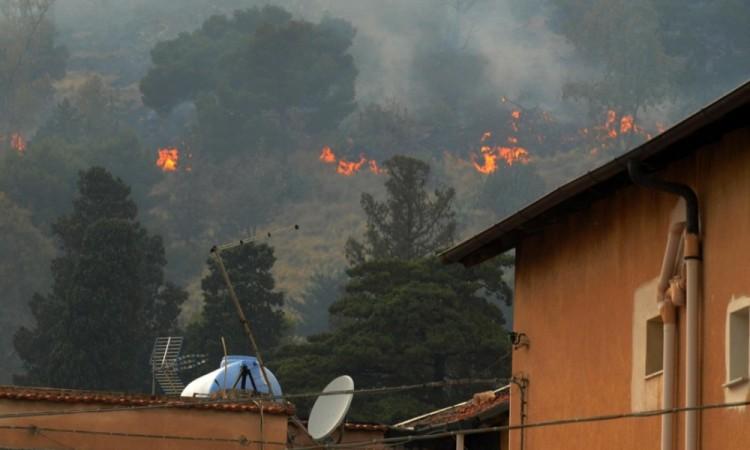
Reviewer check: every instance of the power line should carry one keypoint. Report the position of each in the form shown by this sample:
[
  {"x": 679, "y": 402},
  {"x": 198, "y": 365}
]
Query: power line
[
  {"x": 242, "y": 440},
  {"x": 557, "y": 422},
  {"x": 405, "y": 387},
  {"x": 394, "y": 441},
  {"x": 202, "y": 402}
]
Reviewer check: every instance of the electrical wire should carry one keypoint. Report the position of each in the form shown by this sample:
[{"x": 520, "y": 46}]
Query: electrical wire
[
  {"x": 394, "y": 441},
  {"x": 240, "y": 440},
  {"x": 201, "y": 402},
  {"x": 405, "y": 387}
]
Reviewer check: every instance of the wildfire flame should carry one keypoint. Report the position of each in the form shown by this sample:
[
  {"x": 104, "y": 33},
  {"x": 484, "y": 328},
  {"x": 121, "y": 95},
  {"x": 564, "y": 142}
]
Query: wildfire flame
[
  {"x": 490, "y": 155},
  {"x": 374, "y": 168},
  {"x": 514, "y": 154},
  {"x": 349, "y": 168},
  {"x": 626, "y": 124},
  {"x": 17, "y": 142},
  {"x": 327, "y": 155},
  {"x": 168, "y": 158},
  {"x": 489, "y": 162},
  {"x": 526, "y": 127},
  {"x": 604, "y": 135}
]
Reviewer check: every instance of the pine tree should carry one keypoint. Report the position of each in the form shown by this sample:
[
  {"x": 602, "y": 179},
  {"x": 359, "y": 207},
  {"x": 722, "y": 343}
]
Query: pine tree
[
  {"x": 108, "y": 302},
  {"x": 404, "y": 317},
  {"x": 249, "y": 268},
  {"x": 410, "y": 223}
]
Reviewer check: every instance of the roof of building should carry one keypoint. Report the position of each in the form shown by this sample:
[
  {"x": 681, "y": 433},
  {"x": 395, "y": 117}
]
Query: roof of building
[
  {"x": 362, "y": 426},
  {"x": 729, "y": 112},
  {"x": 353, "y": 426},
  {"x": 53, "y": 395},
  {"x": 482, "y": 407}
]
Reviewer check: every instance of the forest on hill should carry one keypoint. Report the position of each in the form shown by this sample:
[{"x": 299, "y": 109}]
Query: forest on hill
[{"x": 345, "y": 142}]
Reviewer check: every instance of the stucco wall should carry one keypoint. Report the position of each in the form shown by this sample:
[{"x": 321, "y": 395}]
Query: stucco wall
[
  {"x": 188, "y": 423},
  {"x": 300, "y": 438},
  {"x": 578, "y": 285}
]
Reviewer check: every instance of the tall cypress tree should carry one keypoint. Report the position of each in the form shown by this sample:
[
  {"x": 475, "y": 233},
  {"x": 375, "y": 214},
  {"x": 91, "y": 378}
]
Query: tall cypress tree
[{"x": 108, "y": 301}]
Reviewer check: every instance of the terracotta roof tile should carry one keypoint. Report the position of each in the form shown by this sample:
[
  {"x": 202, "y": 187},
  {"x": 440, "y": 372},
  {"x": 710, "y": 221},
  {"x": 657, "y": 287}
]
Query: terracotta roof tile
[
  {"x": 479, "y": 404},
  {"x": 121, "y": 399},
  {"x": 365, "y": 427}
]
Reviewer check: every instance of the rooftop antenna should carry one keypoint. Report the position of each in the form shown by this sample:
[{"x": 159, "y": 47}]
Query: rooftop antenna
[
  {"x": 216, "y": 251},
  {"x": 166, "y": 363},
  {"x": 330, "y": 408}
]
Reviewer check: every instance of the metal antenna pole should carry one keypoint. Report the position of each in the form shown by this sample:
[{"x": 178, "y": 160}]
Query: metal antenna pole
[{"x": 245, "y": 324}]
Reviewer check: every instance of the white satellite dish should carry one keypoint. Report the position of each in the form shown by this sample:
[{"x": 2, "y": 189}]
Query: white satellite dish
[{"x": 329, "y": 411}]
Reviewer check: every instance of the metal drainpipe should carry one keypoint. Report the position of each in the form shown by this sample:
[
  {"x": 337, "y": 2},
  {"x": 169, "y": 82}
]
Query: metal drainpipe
[
  {"x": 692, "y": 263},
  {"x": 522, "y": 383},
  {"x": 668, "y": 297},
  {"x": 667, "y": 312}
]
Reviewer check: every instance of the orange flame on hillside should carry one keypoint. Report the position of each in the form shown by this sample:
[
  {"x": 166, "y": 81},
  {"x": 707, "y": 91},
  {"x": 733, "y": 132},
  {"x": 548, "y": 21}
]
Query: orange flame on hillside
[
  {"x": 349, "y": 168},
  {"x": 327, "y": 155},
  {"x": 168, "y": 158},
  {"x": 510, "y": 154},
  {"x": 612, "y": 128},
  {"x": 17, "y": 142},
  {"x": 374, "y": 168},
  {"x": 626, "y": 124}
]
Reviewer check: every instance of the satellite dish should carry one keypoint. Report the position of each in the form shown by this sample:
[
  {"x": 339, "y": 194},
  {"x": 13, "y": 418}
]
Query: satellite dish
[{"x": 329, "y": 411}]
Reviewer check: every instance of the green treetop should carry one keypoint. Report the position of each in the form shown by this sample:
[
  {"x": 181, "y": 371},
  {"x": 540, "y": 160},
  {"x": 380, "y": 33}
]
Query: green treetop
[
  {"x": 108, "y": 301},
  {"x": 256, "y": 77},
  {"x": 404, "y": 317},
  {"x": 249, "y": 268},
  {"x": 410, "y": 223}
]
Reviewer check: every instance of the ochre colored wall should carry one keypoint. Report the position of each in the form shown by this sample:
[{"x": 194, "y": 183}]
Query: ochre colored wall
[
  {"x": 161, "y": 421},
  {"x": 301, "y": 439},
  {"x": 574, "y": 297}
]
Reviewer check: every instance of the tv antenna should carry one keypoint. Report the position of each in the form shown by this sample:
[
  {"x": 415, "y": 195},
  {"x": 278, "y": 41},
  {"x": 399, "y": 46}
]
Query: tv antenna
[
  {"x": 166, "y": 364},
  {"x": 216, "y": 252},
  {"x": 330, "y": 408}
]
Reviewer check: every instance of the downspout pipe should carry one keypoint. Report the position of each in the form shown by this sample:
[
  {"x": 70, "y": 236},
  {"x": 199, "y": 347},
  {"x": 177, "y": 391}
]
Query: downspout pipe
[
  {"x": 668, "y": 297},
  {"x": 667, "y": 311},
  {"x": 692, "y": 257},
  {"x": 639, "y": 177}
]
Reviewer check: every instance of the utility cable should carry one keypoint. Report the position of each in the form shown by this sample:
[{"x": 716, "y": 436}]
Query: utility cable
[
  {"x": 203, "y": 402},
  {"x": 394, "y": 441},
  {"x": 242, "y": 440},
  {"x": 405, "y": 387}
]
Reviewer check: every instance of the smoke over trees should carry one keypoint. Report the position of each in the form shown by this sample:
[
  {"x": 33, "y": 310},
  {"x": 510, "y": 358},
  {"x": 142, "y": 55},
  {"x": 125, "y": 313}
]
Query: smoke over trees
[
  {"x": 497, "y": 101},
  {"x": 403, "y": 317},
  {"x": 30, "y": 61},
  {"x": 255, "y": 78}
]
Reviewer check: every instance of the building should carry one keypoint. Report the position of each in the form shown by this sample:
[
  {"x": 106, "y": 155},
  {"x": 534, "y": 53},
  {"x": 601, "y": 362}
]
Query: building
[
  {"x": 37, "y": 418},
  {"x": 609, "y": 322},
  {"x": 367, "y": 436},
  {"x": 462, "y": 423}
]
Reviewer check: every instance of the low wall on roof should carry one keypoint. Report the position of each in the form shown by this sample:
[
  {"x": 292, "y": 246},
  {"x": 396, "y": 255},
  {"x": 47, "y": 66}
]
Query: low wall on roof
[{"x": 73, "y": 420}]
